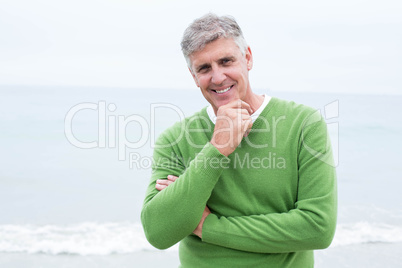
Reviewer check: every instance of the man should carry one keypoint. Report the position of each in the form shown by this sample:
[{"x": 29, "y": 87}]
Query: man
[{"x": 247, "y": 181}]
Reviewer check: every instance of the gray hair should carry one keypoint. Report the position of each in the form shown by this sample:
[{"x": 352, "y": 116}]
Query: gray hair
[{"x": 207, "y": 29}]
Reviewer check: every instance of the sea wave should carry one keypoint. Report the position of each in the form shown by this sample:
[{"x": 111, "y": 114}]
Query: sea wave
[
  {"x": 365, "y": 232},
  {"x": 124, "y": 237},
  {"x": 87, "y": 238}
]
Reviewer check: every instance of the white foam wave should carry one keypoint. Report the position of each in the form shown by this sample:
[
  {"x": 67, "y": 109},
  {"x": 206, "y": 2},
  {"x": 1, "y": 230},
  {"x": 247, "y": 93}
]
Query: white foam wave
[
  {"x": 365, "y": 232},
  {"x": 125, "y": 237},
  {"x": 82, "y": 239}
]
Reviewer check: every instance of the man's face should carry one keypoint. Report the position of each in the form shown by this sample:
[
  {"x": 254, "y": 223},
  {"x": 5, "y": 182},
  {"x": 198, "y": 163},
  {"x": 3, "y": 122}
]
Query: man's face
[{"x": 220, "y": 70}]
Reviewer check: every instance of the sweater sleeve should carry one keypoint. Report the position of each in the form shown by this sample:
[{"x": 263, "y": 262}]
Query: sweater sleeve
[
  {"x": 171, "y": 214},
  {"x": 309, "y": 225}
]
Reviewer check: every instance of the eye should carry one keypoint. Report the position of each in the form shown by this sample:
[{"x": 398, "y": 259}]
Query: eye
[
  {"x": 203, "y": 69},
  {"x": 226, "y": 61}
]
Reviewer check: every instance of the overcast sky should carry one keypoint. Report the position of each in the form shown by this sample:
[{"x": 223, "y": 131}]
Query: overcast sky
[{"x": 322, "y": 46}]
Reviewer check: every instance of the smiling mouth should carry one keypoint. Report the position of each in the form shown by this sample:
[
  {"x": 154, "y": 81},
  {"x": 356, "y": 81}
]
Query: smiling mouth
[{"x": 223, "y": 90}]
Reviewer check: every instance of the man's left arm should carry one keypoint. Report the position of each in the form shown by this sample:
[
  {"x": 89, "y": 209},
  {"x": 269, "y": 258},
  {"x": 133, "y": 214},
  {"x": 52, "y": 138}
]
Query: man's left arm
[{"x": 310, "y": 225}]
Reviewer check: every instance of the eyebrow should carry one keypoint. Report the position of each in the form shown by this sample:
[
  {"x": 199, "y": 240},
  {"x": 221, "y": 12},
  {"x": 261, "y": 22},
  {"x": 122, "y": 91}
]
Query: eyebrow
[{"x": 232, "y": 58}]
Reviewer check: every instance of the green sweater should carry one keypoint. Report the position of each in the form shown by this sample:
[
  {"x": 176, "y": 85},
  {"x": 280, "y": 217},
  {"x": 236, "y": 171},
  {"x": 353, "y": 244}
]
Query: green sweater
[{"x": 272, "y": 201}]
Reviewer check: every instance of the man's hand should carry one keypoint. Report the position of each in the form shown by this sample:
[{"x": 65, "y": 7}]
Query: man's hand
[
  {"x": 162, "y": 184},
  {"x": 233, "y": 122},
  {"x": 198, "y": 230}
]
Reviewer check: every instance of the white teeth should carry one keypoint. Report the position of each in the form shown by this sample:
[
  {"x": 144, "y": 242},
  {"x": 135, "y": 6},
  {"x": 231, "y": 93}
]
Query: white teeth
[{"x": 224, "y": 90}]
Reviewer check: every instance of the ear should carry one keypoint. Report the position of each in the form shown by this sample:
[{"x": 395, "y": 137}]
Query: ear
[
  {"x": 249, "y": 59},
  {"x": 194, "y": 77}
]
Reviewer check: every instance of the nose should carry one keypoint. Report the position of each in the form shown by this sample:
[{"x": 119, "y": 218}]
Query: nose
[{"x": 218, "y": 76}]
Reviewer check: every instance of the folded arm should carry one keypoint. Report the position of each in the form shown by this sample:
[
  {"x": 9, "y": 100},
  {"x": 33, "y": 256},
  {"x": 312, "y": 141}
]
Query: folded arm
[
  {"x": 309, "y": 225},
  {"x": 174, "y": 213}
]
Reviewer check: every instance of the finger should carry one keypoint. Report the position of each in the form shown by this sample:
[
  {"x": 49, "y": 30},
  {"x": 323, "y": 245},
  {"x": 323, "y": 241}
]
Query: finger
[
  {"x": 239, "y": 104},
  {"x": 245, "y": 116},
  {"x": 164, "y": 182},
  {"x": 249, "y": 122},
  {"x": 248, "y": 125},
  {"x": 244, "y": 112},
  {"x": 172, "y": 178},
  {"x": 246, "y": 106},
  {"x": 160, "y": 187},
  {"x": 247, "y": 132}
]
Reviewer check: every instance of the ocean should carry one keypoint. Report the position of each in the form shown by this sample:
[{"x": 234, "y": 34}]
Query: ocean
[{"x": 75, "y": 163}]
